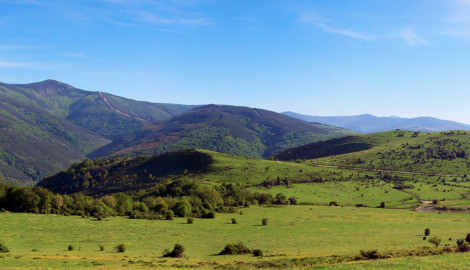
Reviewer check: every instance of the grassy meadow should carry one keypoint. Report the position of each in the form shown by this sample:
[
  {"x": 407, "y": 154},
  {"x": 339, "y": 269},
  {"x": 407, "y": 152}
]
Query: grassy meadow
[{"x": 292, "y": 232}]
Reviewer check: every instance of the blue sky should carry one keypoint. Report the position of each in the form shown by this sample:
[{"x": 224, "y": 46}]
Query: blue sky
[{"x": 402, "y": 58}]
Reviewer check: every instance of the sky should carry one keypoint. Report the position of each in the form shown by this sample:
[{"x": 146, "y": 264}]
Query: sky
[{"x": 324, "y": 58}]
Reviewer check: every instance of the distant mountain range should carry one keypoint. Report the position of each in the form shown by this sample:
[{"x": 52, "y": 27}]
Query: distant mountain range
[
  {"x": 367, "y": 123},
  {"x": 46, "y": 126},
  {"x": 234, "y": 130}
]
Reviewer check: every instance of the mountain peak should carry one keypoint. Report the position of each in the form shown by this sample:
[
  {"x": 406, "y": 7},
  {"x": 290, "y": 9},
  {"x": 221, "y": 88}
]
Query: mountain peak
[{"x": 50, "y": 87}]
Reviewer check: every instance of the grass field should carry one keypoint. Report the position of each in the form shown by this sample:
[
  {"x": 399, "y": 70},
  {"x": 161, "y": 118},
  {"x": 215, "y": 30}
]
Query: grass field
[{"x": 292, "y": 232}]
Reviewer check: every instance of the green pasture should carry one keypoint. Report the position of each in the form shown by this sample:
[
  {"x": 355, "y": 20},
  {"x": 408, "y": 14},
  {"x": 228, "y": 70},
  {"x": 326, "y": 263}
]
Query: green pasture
[
  {"x": 292, "y": 232},
  {"x": 345, "y": 193}
]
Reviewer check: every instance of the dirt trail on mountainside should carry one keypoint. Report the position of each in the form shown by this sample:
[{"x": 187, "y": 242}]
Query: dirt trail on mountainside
[{"x": 118, "y": 111}]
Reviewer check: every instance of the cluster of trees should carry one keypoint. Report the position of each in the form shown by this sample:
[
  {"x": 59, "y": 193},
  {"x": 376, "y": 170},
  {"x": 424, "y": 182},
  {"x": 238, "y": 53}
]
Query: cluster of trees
[{"x": 182, "y": 197}]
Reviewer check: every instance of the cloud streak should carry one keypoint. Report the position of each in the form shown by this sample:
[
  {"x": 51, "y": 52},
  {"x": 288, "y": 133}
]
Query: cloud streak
[
  {"x": 407, "y": 35},
  {"x": 320, "y": 23},
  {"x": 15, "y": 64}
]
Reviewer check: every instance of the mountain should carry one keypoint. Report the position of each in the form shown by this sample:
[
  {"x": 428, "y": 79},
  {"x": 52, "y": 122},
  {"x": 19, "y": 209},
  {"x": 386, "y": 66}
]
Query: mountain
[
  {"x": 46, "y": 126},
  {"x": 367, "y": 123},
  {"x": 397, "y": 150},
  {"x": 240, "y": 131}
]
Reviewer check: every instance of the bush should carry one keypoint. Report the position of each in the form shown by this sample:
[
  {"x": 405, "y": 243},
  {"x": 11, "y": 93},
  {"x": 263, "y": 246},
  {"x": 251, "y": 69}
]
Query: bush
[
  {"x": 435, "y": 241},
  {"x": 371, "y": 254},
  {"x": 435, "y": 201},
  {"x": 70, "y": 248},
  {"x": 294, "y": 200},
  {"x": 235, "y": 249},
  {"x": 468, "y": 238},
  {"x": 101, "y": 247},
  {"x": 247, "y": 204},
  {"x": 264, "y": 221},
  {"x": 234, "y": 221},
  {"x": 463, "y": 246},
  {"x": 3, "y": 248},
  {"x": 257, "y": 253},
  {"x": 178, "y": 252},
  {"x": 170, "y": 215},
  {"x": 120, "y": 248},
  {"x": 427, "y": 232},
  {"x": 209, "y": 215},
  {"x": 190, "y": 220},
  {"x": 333, "y": 203}
]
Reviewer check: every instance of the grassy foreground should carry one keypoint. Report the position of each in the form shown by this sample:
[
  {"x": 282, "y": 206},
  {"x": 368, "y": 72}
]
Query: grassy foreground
[{"x": 292, "y": 232}]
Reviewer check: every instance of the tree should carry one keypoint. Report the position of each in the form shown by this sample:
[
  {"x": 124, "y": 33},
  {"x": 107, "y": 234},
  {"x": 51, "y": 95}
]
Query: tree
[
  {"x": 435, "y": 241},
  {"x": 182, "y": 208},
  {"x": 427, "y": 232}
]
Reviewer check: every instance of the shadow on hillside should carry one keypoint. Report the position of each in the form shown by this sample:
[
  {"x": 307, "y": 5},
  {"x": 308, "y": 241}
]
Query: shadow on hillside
[{"x": 324, "y": 149}]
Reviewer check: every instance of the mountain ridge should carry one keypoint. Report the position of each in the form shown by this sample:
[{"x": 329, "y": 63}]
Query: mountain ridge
[
  {"x": 45, "y": 126},
  {"x": 222, "y": 128},
  {"x": 368, "y": 123}
]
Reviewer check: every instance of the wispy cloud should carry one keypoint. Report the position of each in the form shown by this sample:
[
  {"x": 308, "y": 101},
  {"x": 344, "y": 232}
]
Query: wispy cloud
[
  {"x": 410, "y": 38},
  {"x": 153, "y": 18},
  {"x": 16, "y": 47},
  {"x": 15, "y": 64},
  {"x": 77, "y": 55},
  {"x": 321, "y": 23}
]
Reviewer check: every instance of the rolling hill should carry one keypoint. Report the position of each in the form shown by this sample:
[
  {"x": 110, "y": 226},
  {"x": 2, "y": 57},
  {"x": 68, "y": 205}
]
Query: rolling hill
[
  {"x": 234, "y": 130},
  {"x": 367, "y": 123},
  {"x": 444, "y": 153},
  {"x": 46, "y": 126}
]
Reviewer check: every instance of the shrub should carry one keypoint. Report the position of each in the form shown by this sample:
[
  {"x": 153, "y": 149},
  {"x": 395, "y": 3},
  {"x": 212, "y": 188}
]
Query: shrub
[
  {"x": 257, "y": 253},
  {"x": 120, "y": 248},
  {"x": 101, "y": 247},
  {"x": 3, "y": 248},
  {"x": 333, "y": 203},
  {"x": 190, "y": 220},
  {"x": 427, "y": 232},
  {"x": 178, "y": 252},
  {"x": 468, "y": 238},
  {"x": 247, "y": 204},
  {"x": 424, "y": 237},
  {"x": 170, "y": 215},
  {"x": 382, "y": 205},
  {"x": 435, "y": 241},
  {"x": 294, "y": 200},
  {"x": 465, "y": 247},
  {"x": 2, "y": 210},
  {"x": 209, "y": 215},
  {"x": 435, "y": 201},
  {"x": 234, "y": 221},
  {"x": 264, "y": 221},
  {"x": 371, "y": 254},
  {"x": 235, "y": 249}
]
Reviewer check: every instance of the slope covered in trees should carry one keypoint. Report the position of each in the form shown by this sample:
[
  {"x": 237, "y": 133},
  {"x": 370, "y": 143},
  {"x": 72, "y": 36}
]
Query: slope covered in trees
[
  {"x": 46, "y": 126},
  {"x": 240, "y": 131},
  {"x": 423, "y": 152}
]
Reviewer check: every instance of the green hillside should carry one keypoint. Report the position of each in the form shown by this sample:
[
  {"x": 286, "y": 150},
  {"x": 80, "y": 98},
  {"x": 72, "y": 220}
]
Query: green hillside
[
  {"x": 234, "y": 130},
  {"x": 46, "y": 126},
  {"x": 433, "y": 152},
  {"x": 102, "y": 176}
]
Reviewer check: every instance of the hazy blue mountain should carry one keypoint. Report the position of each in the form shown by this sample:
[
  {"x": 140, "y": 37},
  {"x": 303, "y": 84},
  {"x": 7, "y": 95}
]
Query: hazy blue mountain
[{"x": 367, "y": 123}]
